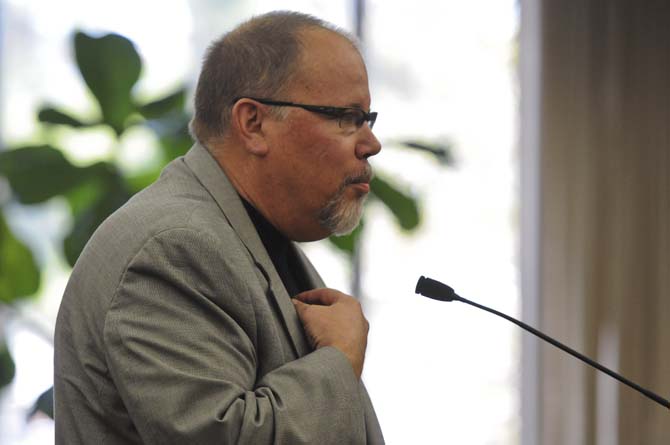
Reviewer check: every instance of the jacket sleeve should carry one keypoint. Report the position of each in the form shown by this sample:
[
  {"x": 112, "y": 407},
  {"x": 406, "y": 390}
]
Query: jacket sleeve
[{"x": 180, "y": 342}]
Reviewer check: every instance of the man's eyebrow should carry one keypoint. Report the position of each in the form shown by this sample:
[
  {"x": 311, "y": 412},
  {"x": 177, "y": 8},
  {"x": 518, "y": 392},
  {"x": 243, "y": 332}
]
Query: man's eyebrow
[{"x": 355, "y": 105}]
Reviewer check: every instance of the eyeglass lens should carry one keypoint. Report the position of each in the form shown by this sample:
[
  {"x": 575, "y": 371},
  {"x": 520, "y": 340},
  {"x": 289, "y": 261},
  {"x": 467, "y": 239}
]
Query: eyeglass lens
[{"x": 355, "y": 118}]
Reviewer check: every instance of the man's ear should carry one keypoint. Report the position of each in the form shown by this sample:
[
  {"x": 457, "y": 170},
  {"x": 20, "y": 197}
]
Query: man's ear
[{"x": 247, "y": 119}]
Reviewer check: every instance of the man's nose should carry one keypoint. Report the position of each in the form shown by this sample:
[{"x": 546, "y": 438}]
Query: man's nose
[{"x": 368, "y": 145}]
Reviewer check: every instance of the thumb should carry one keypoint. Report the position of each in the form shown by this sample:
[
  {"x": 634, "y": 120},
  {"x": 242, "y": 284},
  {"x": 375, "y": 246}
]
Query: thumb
[
  {"x": 297, "y": 303},
  {"x": 322, "y": 296},
  {"x": 300, "y": 307}
]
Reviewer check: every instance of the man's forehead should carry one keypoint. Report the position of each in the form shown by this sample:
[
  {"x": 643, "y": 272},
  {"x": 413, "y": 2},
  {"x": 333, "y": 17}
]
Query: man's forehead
[
  {"x": 330, "y": 63},
  {"x": 316, "y": 34},
  {"x": 323, "y": 45}
]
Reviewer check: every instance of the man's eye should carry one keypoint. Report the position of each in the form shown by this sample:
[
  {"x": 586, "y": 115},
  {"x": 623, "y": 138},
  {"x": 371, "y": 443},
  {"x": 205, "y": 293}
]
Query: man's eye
[{"x": 351, "y": 118}]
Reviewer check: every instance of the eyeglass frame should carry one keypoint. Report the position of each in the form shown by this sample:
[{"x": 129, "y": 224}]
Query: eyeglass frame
[{"x": 336, "y": 112}]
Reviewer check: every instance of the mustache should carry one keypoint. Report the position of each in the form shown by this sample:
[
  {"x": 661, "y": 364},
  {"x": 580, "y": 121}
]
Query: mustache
[{"x": 364, "y": 175}]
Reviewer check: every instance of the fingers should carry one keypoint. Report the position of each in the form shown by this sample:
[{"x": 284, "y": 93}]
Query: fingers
[
  {"x": 331, "y": 318},
  {"x": 306, "y": 311},
  {"x": 300, "y": 307},
  {"x": 322, "y": 296}
]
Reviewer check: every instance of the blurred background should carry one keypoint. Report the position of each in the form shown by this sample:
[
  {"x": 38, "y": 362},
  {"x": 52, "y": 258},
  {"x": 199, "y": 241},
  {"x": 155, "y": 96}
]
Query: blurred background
[{"x": 526, "y": 162}]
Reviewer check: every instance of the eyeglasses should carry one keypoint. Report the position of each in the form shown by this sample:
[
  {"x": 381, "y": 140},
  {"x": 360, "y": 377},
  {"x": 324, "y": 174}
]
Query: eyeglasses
[{"x": 349, "y": 118}]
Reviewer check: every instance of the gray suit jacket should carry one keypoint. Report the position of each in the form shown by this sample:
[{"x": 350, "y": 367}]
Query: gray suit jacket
[{"x": 176, "y": 328}]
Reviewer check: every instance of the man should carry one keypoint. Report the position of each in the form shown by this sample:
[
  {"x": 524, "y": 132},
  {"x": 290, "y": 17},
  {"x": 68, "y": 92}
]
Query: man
[{"x": 177, "y": 325}]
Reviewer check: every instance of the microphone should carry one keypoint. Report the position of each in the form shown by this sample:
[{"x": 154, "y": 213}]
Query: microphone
[{"x": 439, "y": 291}]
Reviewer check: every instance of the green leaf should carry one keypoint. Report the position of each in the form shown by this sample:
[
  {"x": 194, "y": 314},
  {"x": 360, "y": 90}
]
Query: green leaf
[
  {"x": 89, "y": 191},
  {"x": 43, "y": 404},
  {"x": 141, "y": 181},
  {"x": 38, "y": 173},
  {"x": 113, "y": 196},
  {"x": 175, "y": 145},
  {"x": 169, "y": 104},
  {"x": 442, "y": 152},
  {"x": 347, "y": 243},
  {"x": 50, "y": 115},
  {"x": 19, "y": 274},
  {"x": 172, "y": 132},
  {"x": 7, "y": 367},
  {"x": 110, "y": 66},
  {"x": 402, "y": 205}
]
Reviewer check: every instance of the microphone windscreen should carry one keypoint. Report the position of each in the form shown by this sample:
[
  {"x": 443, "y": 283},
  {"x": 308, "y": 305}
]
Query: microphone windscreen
[{"x": 434, "y": 289}]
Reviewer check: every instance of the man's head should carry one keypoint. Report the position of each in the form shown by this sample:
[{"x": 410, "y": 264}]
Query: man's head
[
  {"x": 255, "y": 59},
  {"x": 304, "y": 169}
]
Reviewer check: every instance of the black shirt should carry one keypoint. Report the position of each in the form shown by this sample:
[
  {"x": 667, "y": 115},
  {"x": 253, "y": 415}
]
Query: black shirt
[{"x": 281, "y": 251}]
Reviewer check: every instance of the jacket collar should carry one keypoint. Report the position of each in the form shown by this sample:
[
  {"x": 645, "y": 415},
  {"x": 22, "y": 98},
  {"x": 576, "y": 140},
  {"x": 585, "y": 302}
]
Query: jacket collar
[{"x": 213, "y": 178}]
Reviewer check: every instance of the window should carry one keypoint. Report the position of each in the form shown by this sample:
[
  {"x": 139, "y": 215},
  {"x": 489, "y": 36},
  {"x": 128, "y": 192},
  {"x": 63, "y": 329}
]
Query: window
[{"x": 441, "y": 72}]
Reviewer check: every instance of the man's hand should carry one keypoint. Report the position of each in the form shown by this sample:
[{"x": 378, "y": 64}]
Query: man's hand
[{"x": 331, "y": 318}]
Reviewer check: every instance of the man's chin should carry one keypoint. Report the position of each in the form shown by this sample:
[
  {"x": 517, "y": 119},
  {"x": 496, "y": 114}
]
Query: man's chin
[
  {"x": 346, "y": 217},
  {"x": 346, "y": 230}
]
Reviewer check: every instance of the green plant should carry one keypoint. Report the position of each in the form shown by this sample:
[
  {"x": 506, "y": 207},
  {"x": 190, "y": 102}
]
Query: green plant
[
  {"x": 110, "y": 66},
  {"x": 402, "y": 205}
]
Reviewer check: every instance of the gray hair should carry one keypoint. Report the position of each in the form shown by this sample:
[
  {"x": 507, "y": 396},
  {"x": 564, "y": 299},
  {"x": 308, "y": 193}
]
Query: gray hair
[{"x": 257, "y": 59}]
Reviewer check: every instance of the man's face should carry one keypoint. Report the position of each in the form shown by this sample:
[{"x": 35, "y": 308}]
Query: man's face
[{"x": 320, "y": 170}]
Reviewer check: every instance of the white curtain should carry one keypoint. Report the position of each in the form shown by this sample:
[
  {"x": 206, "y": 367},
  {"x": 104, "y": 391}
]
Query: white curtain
[{"x": 604, "y": 231}]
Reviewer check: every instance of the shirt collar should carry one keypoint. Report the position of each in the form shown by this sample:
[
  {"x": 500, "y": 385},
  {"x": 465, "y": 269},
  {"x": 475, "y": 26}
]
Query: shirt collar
[{"x": 273, "y": 240}]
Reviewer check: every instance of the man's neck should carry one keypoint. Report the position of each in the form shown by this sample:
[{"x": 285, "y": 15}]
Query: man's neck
[{"x": 254, "y": 183}]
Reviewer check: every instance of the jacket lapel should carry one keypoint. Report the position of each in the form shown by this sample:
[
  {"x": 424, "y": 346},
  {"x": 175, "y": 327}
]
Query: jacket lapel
[{"x": 212, "y": 177}]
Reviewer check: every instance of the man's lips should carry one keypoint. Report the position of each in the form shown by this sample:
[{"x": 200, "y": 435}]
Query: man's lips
[
  {"x": 361, "y": 181},
  {"x": 362, "y": 186}
]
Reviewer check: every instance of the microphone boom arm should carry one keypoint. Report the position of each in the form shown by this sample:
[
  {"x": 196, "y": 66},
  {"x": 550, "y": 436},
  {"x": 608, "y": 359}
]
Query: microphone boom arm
[{"x": 439, "y": 291}]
